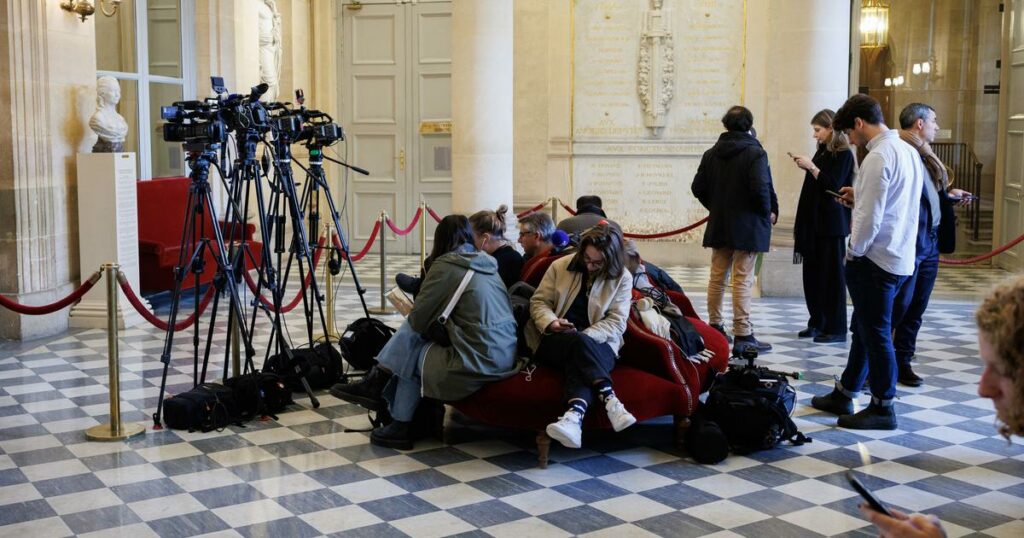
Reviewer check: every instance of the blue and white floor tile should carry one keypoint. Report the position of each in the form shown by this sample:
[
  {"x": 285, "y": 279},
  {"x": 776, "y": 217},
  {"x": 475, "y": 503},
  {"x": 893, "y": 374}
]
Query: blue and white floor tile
[{"x": 306, "y": 475}]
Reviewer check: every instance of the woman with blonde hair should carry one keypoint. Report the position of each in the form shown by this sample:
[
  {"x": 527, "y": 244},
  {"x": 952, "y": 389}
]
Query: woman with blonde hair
[
  {"x": 489, "y": 231},
  {"x": 820, "y": 230},
  {"x": 1000, "y": 320}
]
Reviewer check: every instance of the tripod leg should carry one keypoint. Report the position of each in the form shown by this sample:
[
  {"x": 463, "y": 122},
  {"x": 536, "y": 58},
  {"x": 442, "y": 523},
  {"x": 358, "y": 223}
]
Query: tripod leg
[{"x": 360, "y": 291}]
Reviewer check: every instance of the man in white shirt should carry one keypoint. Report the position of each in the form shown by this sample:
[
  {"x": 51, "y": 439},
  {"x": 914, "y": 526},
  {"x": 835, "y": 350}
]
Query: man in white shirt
[{"x": 880, "y": 257}]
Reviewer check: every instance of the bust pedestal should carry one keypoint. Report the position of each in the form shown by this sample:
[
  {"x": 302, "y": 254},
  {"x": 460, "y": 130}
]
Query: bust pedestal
[{"x": 107, "y": 233}]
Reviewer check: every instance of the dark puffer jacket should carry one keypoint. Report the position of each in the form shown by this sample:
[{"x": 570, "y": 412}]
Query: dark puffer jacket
[{"x": 735, "y": 184}]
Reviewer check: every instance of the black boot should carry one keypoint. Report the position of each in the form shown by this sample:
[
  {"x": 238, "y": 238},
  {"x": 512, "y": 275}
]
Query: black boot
[
  {"x": 834, "y": 402},
  {"x": 872, "y": 417},
  {"x": 743, "y": 342},
  {"x": 908, "y": 377},
  {"x": 809, "y": 332},
  {"x": 408, "y": 283},
  {"x": 721, "y": 329},
  {"x": 397, "y": 435},
  {"x": 367, "y": 392}
]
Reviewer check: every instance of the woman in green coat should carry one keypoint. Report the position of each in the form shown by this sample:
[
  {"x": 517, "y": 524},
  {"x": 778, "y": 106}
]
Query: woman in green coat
[{"x": 481, "y": 330}]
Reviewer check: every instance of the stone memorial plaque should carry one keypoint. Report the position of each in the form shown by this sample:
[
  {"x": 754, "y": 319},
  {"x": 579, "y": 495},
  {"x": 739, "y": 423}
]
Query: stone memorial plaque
[{"x": 651, "y": 79}]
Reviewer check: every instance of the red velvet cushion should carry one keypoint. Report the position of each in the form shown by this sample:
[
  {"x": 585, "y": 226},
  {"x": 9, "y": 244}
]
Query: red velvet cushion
[{"x": 518, "y": 403}]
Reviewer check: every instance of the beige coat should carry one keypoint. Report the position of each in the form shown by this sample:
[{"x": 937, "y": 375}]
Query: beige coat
[{"x": 607, "y": 308}]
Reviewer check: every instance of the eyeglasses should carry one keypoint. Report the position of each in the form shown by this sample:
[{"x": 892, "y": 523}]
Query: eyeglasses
[{"x": 589, "y": 262}]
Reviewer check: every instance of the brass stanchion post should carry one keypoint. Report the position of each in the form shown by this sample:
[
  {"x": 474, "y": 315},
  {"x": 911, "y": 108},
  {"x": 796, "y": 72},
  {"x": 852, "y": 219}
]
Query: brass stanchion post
[
  {"x": 383, "y": 310},
  {"x": 554, "y": 209},
  {"x": 329, "y": 284},
  {"x": 115, "y": 430},
  {"x": 423, "y": 233}
]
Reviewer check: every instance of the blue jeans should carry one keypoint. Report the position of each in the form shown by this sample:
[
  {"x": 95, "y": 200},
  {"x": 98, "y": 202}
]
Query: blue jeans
[
  {"x": 912, "y": 301},
  {"x": 403, "y": 356},
  {"x": 872, "y": 290}
]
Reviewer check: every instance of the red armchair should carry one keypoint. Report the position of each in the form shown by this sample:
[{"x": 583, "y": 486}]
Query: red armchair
[
  {"x": 534, "y": 268},
  {"x": 161, "y": 213},
  {"x": 653, "y": 378}
]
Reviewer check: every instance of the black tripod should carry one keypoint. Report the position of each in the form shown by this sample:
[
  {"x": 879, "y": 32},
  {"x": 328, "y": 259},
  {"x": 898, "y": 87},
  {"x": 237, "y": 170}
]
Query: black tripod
[
  {"x": 316, "y": 180},
  {"x": 285, "y": 199},
  {"x": 200, "y": 202}
]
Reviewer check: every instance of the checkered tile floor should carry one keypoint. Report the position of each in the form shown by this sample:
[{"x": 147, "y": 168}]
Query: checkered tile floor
[{"x": 305, "y": 475}]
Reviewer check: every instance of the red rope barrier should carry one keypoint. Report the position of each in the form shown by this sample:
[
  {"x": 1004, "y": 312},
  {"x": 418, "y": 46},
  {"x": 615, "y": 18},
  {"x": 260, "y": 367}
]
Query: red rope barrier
[
  {"x": 407, "y": 229},
  {"x": 366, "y": 248},
  {"x": 976, "y": 259},
  {"x": 433, "y": 215},
  {"x": 298, "y": 296},
  {"x": 152, "y": 318},
  {"x": 533, "y": 209},
  {"x": 75, "y": 295},
  {"x": 567, "y": 208},
  {"x": 659, "y": 235}
]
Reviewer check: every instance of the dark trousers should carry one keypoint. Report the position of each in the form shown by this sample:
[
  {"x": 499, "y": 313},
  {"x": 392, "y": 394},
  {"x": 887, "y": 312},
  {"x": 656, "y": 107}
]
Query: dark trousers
[
  {"x": 825, "y": 285},
  {"x": 580, "y": 359},
  {"x": 912, "y": 301},
  {"x": 873, "y": 291}
]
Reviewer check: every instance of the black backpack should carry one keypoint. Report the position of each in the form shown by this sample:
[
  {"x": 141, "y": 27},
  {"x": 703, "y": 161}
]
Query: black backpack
[
  {"x": 320, "y": 365},
  {"x": 752, "y": 405},
  {"x": 362, "y": 341},
  {"x": 206, "y": 407},
  {"x": 260, "y": 394}
]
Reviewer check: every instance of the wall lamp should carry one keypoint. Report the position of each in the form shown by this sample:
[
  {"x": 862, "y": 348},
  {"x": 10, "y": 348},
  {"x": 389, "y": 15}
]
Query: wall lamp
[{"x": 84, "y": 8}]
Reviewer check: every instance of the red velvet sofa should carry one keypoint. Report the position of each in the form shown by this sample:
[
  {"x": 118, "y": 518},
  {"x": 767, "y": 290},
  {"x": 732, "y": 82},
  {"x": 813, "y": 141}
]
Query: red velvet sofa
[
  {"x": 161, "y": 214},
  {"x": 653, "y": 378}
]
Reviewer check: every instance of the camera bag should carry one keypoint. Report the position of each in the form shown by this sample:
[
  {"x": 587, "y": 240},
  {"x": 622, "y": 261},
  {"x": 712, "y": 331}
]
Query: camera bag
[
  {"x": 320, "y": 365},
  {"x": 362, "y": 341},
  {"x": 206, "y": 407},
  {"x": 260, "y": 394},
  {"x": 752, "y": 405}
]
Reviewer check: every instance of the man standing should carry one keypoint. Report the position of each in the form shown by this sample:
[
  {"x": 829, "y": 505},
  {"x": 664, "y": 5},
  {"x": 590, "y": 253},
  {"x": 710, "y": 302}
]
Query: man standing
[
  {"x": 918, "y": 125},
  {"x": 734, "y": 183},
  {"x": 880, "y": 258}
]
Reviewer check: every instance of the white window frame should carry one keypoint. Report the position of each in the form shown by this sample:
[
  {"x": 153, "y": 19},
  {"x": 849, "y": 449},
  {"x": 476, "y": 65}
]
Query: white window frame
[{"x": 142, "y": 78}]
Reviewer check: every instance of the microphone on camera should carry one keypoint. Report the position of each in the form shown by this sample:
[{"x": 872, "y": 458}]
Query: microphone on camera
[{"x": 258, "y": 91}]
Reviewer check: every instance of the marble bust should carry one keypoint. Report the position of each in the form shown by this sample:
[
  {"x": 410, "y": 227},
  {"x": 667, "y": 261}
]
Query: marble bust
[
  {"x": 270, "y": 47},
  {"x": 108, "y": 125}
]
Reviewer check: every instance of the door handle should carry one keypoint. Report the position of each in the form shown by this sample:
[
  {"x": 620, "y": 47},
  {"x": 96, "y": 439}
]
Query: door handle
[{"x": 401, "y": 159}]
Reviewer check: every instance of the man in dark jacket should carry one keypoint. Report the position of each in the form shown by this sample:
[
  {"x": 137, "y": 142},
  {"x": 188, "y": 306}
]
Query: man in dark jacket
[
  {"x": 735, "y": 184},
  {"x": 588, "y": 214}
]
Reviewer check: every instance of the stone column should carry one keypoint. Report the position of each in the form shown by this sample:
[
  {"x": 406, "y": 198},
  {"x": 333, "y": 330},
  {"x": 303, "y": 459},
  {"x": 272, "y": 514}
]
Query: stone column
[
  {"x": 797, "y": 64},
  {"x": 48, "y": 69},
  {"x": 481, "y": 104}
]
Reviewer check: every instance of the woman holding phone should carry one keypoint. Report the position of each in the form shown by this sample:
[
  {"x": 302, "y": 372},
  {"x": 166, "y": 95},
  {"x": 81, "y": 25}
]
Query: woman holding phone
[
  {"x": 578, "y": 317},
  {"x": 820, "y": 230}
]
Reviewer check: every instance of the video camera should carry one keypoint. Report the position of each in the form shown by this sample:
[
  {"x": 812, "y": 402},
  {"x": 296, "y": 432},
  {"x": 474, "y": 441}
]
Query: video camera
[{"x": 210, "y": 120}]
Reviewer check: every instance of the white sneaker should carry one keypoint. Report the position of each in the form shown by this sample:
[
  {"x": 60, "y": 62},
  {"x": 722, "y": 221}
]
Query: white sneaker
[
  {"x": 617, "y": 414},
  {"x": 567, "y": 430}
]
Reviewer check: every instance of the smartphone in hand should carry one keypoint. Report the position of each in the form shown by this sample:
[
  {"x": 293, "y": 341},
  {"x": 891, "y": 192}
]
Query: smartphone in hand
[
  {"x": 834, "y": 193},
  {"x": 967, "y": 198},
  {"x": 872, "y": 501}
]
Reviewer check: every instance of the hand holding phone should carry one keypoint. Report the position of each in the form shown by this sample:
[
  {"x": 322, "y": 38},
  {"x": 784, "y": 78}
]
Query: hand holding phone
[
  {"x": 834, "y": 193},
  {"x": 872, "y": 501}
]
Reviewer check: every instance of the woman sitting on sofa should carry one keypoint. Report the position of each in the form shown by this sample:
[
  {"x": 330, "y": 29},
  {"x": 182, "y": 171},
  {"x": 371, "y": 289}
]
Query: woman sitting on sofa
[
  {"x": 578, "y": 316},
  {"x": 480, "y": 328}
]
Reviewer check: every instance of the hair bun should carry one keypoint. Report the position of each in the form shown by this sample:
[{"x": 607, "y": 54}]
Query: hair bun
[{"x": 500, "y": 214}]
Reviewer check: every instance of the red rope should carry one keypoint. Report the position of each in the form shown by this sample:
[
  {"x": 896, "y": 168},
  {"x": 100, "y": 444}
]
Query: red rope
[
  {"x": 366, "y": 248},
  {"x": 407, "y": 229},
  {"x": 305, "y": 284},
  {"x": 976, "y": 259},
  {"x": 567, "y": 208},
  {"x": 75, "y": 295},
  {"x": 659, "y": 235},
  {"x": 533, "y": 209},
  {"x": 152, "y": 318},
  {"x": 433, "y": 215}
]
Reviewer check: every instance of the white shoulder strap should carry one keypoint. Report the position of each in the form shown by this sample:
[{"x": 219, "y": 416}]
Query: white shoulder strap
[{"x": 455, "y": 298}]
